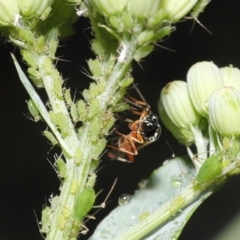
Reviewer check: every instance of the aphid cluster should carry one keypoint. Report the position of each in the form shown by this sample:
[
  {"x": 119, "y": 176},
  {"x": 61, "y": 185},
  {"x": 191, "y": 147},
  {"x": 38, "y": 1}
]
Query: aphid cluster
[{"x": 144, "y": 130}]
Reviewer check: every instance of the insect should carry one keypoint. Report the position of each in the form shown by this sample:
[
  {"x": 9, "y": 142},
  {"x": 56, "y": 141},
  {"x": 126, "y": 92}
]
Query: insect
[{"x": 144, "y": 130}]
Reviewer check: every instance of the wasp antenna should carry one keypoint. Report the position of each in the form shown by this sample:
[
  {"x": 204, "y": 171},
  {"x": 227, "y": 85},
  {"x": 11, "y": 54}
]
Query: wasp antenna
[
  {"x": 135, "y": 104},
  {"x": 139, "y": 93}
]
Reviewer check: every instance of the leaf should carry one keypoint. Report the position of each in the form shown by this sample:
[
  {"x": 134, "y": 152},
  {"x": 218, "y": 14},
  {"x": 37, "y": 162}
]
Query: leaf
[{"x": 158, "y": 211}]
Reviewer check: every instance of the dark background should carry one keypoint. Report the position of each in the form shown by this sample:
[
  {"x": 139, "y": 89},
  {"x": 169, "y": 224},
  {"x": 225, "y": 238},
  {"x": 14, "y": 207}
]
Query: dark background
[{"x": 26, "y": 177}]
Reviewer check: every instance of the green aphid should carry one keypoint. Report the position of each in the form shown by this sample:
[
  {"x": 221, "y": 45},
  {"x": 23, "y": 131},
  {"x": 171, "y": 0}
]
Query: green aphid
[
  {"x": 36, "y": 77},
  {"x": 119, "y": 95},
  {"x": 225, "y": 143},
  {"x": 99, "y": 147},
  {"x": 98, "y": 48},
  {"x": 46, "y": 13},
  {"x": 142, "y": 52},
  {"x": 52, "y": 34},
  {"x": 67, "y": 97},
  {"x": 53, "y": 44},
  {"x": 109, "y": 67},
  {"x": 57, "y": 84},
  {"x": 53, "y": 117},
  {"x": 126, "y": 82},
  {"x": 176, "y": 204},
  {"x": 45, "y": 221},
  {"x": 29, "y": 58},
  {"x": 234, "y": 150},
  {"x": 50, "y": 137},
  {"x": 127, "y": 20},
  {"x": 95, "y": 68},
  {"x": 39, "y": 44},
  {"x": 74, "y": 187},
  {"x": 91, "y": 180},
  {"x": 26, "y": 35},
  {"x": 93, "y": 108},
  {"x": 47, "y": 65},
  {"x": 33, "y": 110},
  {"x": 210, "y": 169},
  {"x": 84, "y": 203},
  {"x": 86, "y": 95},
  {"x": 199, "y": 8},
  {"x": 162, "y": 32},
  {"x": 93, "y": 90},
  {"x": 107, "y": 123},
  {"x": 145, "y": 37},
  {"x": 78, "y": 156},
  {"x": 82, "y": 110},
  {"x": 120, "y": 107},
  {"x": 62, "y": 122},
  {"x": 61, "y": 166},
  {"x": 156, "y": 20},
  {"x": 74, "y": 113},
  {"x": 95, "y": 129}
]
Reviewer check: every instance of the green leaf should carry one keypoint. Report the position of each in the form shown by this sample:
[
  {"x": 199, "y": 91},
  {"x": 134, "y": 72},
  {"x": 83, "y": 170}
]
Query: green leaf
[{"x": 158, "y": 211}]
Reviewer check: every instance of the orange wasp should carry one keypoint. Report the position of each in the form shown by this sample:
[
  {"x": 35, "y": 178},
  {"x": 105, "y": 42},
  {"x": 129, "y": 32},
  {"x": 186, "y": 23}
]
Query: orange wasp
[{"x": 144, "y": 131}]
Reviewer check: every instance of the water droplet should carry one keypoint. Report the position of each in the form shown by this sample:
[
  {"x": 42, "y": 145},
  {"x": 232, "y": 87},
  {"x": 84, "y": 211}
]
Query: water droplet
[
  {"x": 124, "y": 199},
  {"x": 133, "y": 216},
  {"x": 176, "y": 183},
  {"x": 142, "y": 183},
  {"x": 165, "y": 162}
]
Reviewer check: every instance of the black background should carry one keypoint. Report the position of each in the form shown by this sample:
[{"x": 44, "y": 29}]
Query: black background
[{"x": 26, "y": 177}]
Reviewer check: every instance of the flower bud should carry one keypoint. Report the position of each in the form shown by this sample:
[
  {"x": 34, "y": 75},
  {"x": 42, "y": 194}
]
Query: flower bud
[
  {"x": 9, "y": 13},
  {"x": 202, "y": 79},
  {"x": 143, "y": 8},
  {"x": 224, "y": 111},
  {"x": 177, "y": 9},
  {"x": 33, "y": 8},
  {"x": 109, "y": 7},
  {"x": 178, "y": 106},
  {"x": 231, "y": 76},
  {"x": 184, "y": 136}
]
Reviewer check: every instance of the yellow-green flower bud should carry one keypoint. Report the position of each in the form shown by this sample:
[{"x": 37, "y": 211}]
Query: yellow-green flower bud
[
  {"x": 224, "y": 111},
  {"x": 231, "y": 76},
  {"x": 143, "y": 8},
  {"x": 9, "y": 13},
  {"x": 184, "y": 136},
  {"x": 178, "y": 106},
  {"x": 202, "y": 79},
  {"x": 109, "y": 7},
  {"x": 33, "y": 8},
  {"x": 177, "y": 9}
]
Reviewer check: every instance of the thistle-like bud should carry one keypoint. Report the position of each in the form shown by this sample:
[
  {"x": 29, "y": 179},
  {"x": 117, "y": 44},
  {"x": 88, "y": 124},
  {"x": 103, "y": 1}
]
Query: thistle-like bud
[
  {"x": 231, "y": 76},
  {"x": 178, "y": 106},
  {"x": 177, "y": 9},
  {"x": 109, "y": 7},
  {"x": 184, "y": 136},
  {"x": 143, "y": 8},
  {"x": 33, "y": 8},
  {"x": 9, "y": 13},
  {"x": 202, "y": 79},
  {"x": 224, "y": 111}
]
